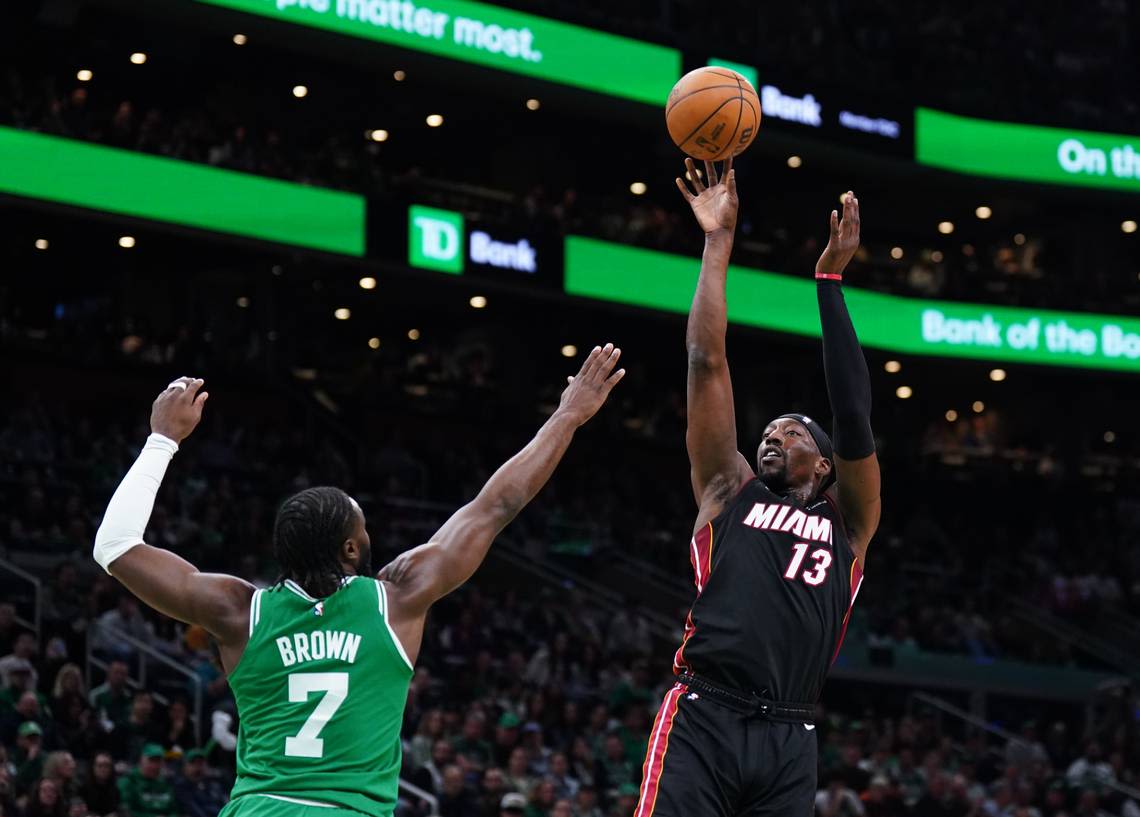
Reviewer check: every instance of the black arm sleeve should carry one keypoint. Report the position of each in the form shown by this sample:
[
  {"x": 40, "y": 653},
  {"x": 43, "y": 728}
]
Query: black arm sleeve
[{"x": 848, "y": 381}]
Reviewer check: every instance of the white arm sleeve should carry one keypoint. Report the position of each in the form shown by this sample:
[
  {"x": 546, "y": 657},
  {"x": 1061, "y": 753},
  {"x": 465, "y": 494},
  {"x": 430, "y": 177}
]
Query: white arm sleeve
[
  {"x": 129, "y": 510},
  {"x": 220, "y": 731}
]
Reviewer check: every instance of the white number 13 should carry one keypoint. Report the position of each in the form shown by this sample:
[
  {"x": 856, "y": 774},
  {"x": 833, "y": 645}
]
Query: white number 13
[
  {"x": 816, "y": 575},
  {"x": 307, "y": 742}
]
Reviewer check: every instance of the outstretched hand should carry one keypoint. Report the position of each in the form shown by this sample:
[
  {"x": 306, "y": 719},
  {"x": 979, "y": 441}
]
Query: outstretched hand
[
  {"x": 587, "y": 391},
  {"x": 178, "y": 410},
  {"x": 844, "y": 239},
  {"x": 715, "y": 206}
]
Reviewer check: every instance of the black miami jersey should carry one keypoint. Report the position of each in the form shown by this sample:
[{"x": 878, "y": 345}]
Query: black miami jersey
[{"x": 775, "y": 584}]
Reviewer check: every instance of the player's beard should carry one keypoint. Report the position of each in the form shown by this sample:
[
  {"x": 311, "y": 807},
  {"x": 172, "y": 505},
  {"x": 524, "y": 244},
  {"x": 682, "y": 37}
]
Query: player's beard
[{"x": 775, "y": 479}]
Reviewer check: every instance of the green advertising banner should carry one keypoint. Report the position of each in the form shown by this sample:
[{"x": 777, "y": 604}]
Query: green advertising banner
[
  {"x": 630, "y": 275},
  {"x": 492, "y": 36},
  {"x": 193, "y": 195},
  {"x": 1027, "y": 152}
]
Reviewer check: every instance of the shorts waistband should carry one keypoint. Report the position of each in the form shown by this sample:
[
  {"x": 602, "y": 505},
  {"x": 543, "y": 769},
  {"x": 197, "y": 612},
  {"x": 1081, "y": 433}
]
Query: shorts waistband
[{"x": 749, "y": 703}]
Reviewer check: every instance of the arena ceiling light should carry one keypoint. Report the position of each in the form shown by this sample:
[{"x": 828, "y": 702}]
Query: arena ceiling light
[
  {"x": 378, "y": 135},
  {"x": 1110, "y": 436},
  {"x": 399, "y": 75},
  {"x": 997, "y": 375},
  {"x": 41, "y": 243},
  {"x": 138, "y": 58},
  {"x": 243, "y": 302},
  {"x": 367, "y": 282},
  {"x": 1019, "y": 239},
  {"x": 946, "y": 227},
  {"x": 951, "y": 415},
  {"x": 434, "y": 120},
  {"x": 240, "y": 39},
  {"x": 374, "y": 343},
  {"x": 638, "y": 188},
  {"x": 342, "y": 313},
  {"x": 896, "y": 253},
  {"x": 533, "y": 104},
  {"x": 126, "y": 241},
  {"x": 904, "y": 392},
  {"x": 794, "y": 161},
  {"x": 477, "y": 302},
  {"x": 569, "y": 350},
  {"x": 892, "y": 366},
  {"x": 983, "y": 212},
  {"x": 936, "y": 256},
  {"x": 84, "y": 75},
  {"x": 978, "y": 407},
  {"x": 413, "y": 334},
  {"x": 300, "y": 91},
  {"x": 1128, "y": 226}
]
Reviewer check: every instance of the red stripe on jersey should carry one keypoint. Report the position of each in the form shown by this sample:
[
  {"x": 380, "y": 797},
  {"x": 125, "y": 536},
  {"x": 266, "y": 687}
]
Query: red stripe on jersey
[
  {"x": 700, "y": 557},
  {"x": 856, "y": 582},
  {"x": 655, "y": 754}
]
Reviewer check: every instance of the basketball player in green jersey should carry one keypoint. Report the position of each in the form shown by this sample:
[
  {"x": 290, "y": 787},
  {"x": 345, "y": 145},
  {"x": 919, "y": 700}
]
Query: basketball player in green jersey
[{"x": 319, "y": 664}]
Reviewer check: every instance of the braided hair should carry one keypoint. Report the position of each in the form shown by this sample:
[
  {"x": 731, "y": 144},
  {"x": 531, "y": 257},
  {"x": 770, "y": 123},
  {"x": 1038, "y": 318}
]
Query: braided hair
[{"x": 307, "y": 536}]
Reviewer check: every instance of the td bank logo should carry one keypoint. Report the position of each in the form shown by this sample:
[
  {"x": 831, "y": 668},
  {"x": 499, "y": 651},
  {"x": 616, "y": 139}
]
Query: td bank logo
[{"x": 435, "y": 239}]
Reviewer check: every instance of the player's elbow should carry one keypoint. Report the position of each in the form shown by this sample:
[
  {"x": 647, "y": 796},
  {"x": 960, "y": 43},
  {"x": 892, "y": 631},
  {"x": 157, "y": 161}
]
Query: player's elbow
[{"x": 702, "y": 358}]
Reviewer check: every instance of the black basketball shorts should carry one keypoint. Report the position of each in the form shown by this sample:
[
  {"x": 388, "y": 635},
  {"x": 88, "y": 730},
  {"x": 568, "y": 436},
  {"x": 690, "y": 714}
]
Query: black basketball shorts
[{"x": 708, "y": 760}]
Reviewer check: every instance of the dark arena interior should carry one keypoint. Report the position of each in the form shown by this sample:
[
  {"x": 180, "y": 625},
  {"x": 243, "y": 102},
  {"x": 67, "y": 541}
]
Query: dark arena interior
[{"x": 386, "y": 233}]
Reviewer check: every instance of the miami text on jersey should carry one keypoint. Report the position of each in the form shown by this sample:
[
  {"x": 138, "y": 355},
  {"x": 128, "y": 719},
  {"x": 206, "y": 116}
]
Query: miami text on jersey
[{"x": 787, "y": 519}]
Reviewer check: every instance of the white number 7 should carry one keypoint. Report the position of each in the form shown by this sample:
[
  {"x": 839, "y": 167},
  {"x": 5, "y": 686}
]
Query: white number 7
[{"x": 301, "y": 685}]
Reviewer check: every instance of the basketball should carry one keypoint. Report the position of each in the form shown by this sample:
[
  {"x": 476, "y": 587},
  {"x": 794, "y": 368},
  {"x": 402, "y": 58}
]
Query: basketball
[{"x": 712, "y": 113}]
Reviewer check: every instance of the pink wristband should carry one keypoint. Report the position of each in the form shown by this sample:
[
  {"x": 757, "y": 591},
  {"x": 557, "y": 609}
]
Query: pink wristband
[{"x": 828, "y": 276}]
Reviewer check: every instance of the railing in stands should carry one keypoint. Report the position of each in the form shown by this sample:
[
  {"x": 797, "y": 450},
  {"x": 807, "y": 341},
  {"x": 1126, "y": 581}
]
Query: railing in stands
[
  {"x": 1077, "y": 638},
  {"x": 147, "y": 654},
  {"x": 36, "y": 621},
  {"x": 947, "y": 708},
  {"x": 420, "y": 794}
]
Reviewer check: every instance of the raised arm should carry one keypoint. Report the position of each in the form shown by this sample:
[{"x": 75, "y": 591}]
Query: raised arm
[
  {"x": 161, "y": 579},
  {"x": 848, "y": 385},
  {"x": 423, "y": 575},
  {"x": 717, "y": 467}
]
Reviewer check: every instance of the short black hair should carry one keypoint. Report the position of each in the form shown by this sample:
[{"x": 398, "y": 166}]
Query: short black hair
[{"x": 308, "y": 533}]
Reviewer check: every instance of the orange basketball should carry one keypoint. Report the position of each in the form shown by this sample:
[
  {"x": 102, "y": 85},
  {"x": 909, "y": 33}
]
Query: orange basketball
[{"x": 712, "y": 113}]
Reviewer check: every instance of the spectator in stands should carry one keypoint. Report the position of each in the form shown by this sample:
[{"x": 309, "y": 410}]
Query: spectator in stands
[
  {"x": 145, "y": 792},
  {"x": 512, "y": 805},
  {"x": 21, "y": 659},
  {"x": 506, "y": 737},
  {"x": 835, "y": 799},
  {"x": 124, "y": 618},
  {"x": 177, "y": 732},
  {"x": 101, "y": 790},
  {"x": 112, "y": 698},
  {"x": 1024, "y": 751},
  {"x": 454, "y": 798},
  {"x": 626, "y": 800},
  {"x": 494, "y": 786},
  {"x": 565, "y": 784},
  {"x": 519, "y": 777},
  {"x": 29, "y": 756},
  {"x": 1090, "y": 769},
  {"x": 430, "y": 730},
  {"x": 140, "y": 728},
  {"x": 586, "y": 802},
  {"x": 65, "y": 604},
  {"x": 7, "y": 786},
  {"x": 615, "y": 767},
  {"x": 45, "y": 801},
  {"x": 429, "y": 776},
  {"x": 68, "y": 687},
  {"x": 470, "y": 746},
  {"x": 59, "y": 767},
  {"x": 197, "y": 793},
  {"x": 541, "y": 799}
]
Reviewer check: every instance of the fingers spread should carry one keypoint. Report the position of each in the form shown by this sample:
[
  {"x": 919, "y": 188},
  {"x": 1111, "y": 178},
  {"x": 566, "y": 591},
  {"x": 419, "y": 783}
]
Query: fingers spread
[
  {"x": 608, "y": 364},
  {"x": 684, "y": 190},
  {"x": 616, "y": 378},
  {"x": 710, "y": 171},
  {"x": 192, "y": 387}
]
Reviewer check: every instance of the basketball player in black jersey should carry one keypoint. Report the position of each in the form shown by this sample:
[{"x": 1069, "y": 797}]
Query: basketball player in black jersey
[{"x": 778, "y": 553}]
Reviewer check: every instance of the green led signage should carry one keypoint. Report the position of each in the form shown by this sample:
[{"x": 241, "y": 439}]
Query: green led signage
[
  {"x": 1027, "y": 152},
  {"x": 629, "y": 275},
  {"x": 494, "y": 37},
  {"x": 435, "y": 239},
  {"x": 193, "y": 195}
]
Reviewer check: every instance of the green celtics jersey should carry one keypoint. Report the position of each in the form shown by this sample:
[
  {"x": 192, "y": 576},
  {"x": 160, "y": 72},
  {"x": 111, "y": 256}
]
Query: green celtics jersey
[{"x": 320, "y": 694}]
